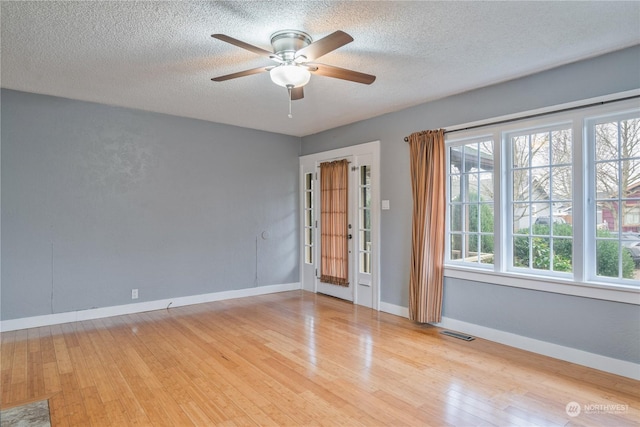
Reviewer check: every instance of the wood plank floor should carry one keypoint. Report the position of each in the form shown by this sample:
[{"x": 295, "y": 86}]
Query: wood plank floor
[{"x": 294, "y": 358}]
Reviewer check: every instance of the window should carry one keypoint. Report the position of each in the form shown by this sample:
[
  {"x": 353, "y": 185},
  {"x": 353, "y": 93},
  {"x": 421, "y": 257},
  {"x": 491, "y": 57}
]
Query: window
[
  {"x": 540, "y": 200},
  {"x": 308, "y": 218},
  {"x": 548, "y": 202},
  {"x": 471, "y": 202},
  {"x": 616, "y": 152}
]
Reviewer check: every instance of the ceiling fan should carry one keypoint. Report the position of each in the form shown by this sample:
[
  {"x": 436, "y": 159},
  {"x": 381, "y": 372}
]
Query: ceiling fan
[{"x": 296, "y": 53}]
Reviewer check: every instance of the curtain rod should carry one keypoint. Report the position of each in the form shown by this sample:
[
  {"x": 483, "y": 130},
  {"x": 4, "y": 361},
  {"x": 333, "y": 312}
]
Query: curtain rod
[{"x": 532, "y": 116}]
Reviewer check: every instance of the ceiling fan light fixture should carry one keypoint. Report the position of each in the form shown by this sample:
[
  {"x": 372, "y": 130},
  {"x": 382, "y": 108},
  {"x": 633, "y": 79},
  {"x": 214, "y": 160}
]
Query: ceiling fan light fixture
[{"x": 286, "y": 75}]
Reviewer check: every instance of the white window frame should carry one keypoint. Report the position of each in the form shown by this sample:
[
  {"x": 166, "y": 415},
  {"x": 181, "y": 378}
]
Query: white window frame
[
  {"x": 462, "y": 143},
  {"x": 590, "y": 123},
  {"x": 507, "y": 148},
  {"x": 582, "y": 283}
]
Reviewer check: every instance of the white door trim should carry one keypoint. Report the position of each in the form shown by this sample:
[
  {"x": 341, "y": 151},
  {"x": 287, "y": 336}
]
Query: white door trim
[{"x": 311, "y": 161}]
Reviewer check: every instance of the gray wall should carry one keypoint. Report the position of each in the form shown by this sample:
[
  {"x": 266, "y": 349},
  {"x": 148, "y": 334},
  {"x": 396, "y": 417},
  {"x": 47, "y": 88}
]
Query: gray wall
[
  {"x": 607, "y": 74},
  {"x": 97, "y": 200}
]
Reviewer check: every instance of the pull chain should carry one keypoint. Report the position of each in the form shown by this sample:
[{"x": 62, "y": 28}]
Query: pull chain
[{"x": 289, "y": 88}]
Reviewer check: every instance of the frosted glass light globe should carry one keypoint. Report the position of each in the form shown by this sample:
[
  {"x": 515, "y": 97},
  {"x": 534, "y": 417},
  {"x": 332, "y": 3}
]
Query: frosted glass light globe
[{"x": 290, "y": 75}]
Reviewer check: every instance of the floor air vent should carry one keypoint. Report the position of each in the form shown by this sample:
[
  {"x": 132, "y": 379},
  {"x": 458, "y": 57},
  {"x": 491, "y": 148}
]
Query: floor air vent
[{"x": 458, "y": 335}]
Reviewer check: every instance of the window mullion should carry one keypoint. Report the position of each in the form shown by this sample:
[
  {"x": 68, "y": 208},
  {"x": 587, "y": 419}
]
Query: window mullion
[
  {"x": 580, "y": 190},
  {"x": 500, "y": 237}
]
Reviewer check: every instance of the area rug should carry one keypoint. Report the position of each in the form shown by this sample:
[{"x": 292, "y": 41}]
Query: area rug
[{"x": 35, "y": 414}]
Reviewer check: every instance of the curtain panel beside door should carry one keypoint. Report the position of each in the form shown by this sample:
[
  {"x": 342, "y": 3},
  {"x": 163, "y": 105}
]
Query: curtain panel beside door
[{"x": 334, "y": 202}]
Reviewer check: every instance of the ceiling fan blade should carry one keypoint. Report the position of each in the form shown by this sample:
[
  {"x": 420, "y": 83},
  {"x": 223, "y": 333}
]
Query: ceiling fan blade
[
  {"x": 240, "y": 74},
  {"x": 342, "y": 73},
  {"x": 325, "y": 45},
  {"x": 297, "y": 93},
  {"x": 243, "y": 45}
]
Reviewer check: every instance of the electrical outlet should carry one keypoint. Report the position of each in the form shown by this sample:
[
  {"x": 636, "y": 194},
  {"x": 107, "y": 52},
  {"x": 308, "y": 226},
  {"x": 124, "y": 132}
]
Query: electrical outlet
[{"x": 134, "y": 294}]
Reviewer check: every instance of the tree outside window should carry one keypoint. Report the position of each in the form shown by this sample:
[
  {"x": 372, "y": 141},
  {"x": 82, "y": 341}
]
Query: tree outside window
[
  {"x": 617, "y": 192},
  {"x": 541, "y": 199}
]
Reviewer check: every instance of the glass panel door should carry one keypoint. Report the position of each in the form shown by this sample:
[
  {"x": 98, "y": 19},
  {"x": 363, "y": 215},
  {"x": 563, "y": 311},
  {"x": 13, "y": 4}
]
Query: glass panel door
[{"x": 364, "y": 290}]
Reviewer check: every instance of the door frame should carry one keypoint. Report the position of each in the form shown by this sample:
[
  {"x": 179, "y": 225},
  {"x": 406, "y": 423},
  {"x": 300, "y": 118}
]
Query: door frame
[{"x": 311, "y": 162}]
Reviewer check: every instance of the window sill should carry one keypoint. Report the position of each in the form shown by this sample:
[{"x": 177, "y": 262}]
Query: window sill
[{"x": 608, "y": 292}]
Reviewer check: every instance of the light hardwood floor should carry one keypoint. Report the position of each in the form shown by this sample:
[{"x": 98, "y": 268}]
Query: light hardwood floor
[{"x": 289, "y": 359}]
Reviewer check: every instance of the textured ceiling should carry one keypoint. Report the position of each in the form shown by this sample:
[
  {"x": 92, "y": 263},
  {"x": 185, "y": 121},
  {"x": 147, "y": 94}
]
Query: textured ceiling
[{"x": 159, "y": 56}]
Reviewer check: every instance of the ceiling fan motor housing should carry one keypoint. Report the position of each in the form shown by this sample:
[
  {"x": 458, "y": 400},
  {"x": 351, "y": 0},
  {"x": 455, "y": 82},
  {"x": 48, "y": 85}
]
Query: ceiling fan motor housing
[{"x": 287, "y": 42}]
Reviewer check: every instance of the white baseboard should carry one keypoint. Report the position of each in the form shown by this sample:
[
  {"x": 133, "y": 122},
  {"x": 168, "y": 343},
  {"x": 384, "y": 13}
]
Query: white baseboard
[
  {"x": 568, "y": 354},
  {"x": 394, "y": 309},
  {"x": 98, "y": 313}
]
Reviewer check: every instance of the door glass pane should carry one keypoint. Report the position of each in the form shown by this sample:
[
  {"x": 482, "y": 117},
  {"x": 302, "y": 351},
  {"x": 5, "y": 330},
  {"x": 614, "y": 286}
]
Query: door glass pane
[
  {"x": 365, "y": 262},
  {"x": 308, "y": 218},
  {"x": 365, "y": 175},
  {"x": 365, "y": 197},
  {"x": 308, "y": 201},
  {"x": 309, "y": 182},
  {"x": 365, "y": 218},
  {"x": 365, "y": 240}
]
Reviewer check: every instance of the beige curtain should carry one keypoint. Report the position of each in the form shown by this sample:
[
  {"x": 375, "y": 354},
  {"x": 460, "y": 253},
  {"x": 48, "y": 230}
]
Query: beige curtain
[
  {"x": 427, "y": 240},
  {"x": 334, "y": 265}
]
